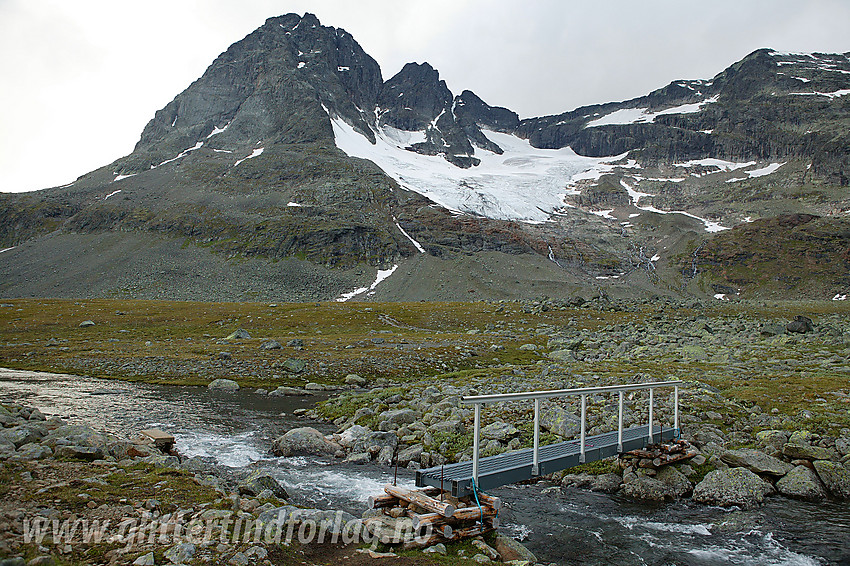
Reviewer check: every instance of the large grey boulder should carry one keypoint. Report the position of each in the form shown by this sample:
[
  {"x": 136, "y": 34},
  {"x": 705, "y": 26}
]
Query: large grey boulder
[
  {"x": 76, "y": 435},
  {"x": 808, "y": 452},
  {"x": 558, "y": 421},
  {"x": 284, "y": 391},
  {"x": 835, "y": 476},
  {"x": 734, "y": 486},
  {"x": 677, "y": 484},
  {"x": 756, "y": 461},
  {"x": 509, "y": 549},
  {"x": 239, "y": 334},
  {"x": 375, "y": 442},
  {"x": 801, "y": 483},
  {"x": 644, "y": 488},
  {"x": 498, "y": 431},
  {"x": 352, "y": 435},
  {"x": 85, "y": 453},
  {"x": 180, "y": 553},
  {"x": 33, "y": 452},
  {"x": 223, "y": 384},
  {"x": 399, "y": 416},
  {"x": 23, "y": 434},
  {"x": 305, "y": 441},
  {"x": 270, "y": 345}
]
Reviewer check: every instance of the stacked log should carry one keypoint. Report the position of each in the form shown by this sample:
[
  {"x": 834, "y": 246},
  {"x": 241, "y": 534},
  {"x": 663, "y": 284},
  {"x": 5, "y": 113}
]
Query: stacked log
[
  {"x": 432, "y": 516},
  {"x": 658, "y": 455}
]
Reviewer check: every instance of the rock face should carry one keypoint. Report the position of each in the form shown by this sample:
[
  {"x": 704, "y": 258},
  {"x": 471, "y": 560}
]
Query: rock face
[
  {"x": 304, "y": 441},
  {"x": 735, "y": 486}
]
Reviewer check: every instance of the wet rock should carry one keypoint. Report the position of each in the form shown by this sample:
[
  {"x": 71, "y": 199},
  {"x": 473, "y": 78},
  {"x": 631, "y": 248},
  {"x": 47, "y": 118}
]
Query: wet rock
[
  {"x": 835, "y": 477},
  {"x": 801, "y": 483},
  {"x": 734, "y": 486},
  {"x": 240, "y": 334},
  {"x": 509, "y": 549},
  {"x": 305, "y": 441},
  {"x": 270, "y": 345},
  {"x": 359, "y": 458},
  {"x": 257, "y": 482},
  {"x": 756, "y": 461},
  {"x": 224, "y": 384}
]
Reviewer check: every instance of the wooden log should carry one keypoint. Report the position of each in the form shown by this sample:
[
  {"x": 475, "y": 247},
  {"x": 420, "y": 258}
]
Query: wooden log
[
  {"x": 422, "y": 500},
  {"x": 380, "y": 501},
  {"x": 422, "y": 542},
  {"x": 468, "y": 532},
  {"x": 489, "y": 500},
  {"x": 461, "y": 517}
]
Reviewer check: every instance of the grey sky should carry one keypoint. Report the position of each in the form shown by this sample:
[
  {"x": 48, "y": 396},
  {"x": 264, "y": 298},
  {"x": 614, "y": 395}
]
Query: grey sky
[{"x": 81, "y": 79}]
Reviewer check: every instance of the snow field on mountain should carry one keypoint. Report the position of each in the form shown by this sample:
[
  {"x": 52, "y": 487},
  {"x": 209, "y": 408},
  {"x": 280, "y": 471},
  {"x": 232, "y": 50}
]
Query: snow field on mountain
[{"x": 524, "y": 183}]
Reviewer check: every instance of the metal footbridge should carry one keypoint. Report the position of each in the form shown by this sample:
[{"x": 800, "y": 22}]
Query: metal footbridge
[{"x": 510, "y": 467}]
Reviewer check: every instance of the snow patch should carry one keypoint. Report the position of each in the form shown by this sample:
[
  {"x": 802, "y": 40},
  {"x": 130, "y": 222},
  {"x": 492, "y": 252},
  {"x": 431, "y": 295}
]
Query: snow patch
[
  {"x": 113, "y": 192},
  {"x": 183, "y": 153},
  {"x": 721, "y": 296},
  {"x": 119, "y": 177},
  {"x": 254, "y": 154},
  {"x": 767, "y": 170},
  {"x": 836, "y": 94},
  {"x": 837, "y": 297},
  {"x": 294, "y": 204},
  {"x": 217, "y": 130},
  {"x": 301, "y": 64},
  {"x": 341, "y": 69},
  {"x": 222, "y": 151},
  {"x": 712, "y": 162},
  {"x": 604, "y": 213},
  {"x": 7, "y": 249},
  {"x": 627, "y": 116},
  {"x": 416, "y": 244},
  {"x": 382, "y": 274}
]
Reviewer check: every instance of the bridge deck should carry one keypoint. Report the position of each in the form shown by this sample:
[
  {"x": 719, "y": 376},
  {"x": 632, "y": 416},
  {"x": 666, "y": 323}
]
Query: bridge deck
[{"x": 511, "y": 467}]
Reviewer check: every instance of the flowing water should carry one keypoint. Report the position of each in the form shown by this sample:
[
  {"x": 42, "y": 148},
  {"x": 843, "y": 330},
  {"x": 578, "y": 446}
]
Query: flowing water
[{"x": 561, "y": 526}]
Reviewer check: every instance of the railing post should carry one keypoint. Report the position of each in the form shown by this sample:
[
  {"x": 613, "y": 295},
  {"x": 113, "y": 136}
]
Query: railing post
[
  {"x": 620, "y": 425},
  {"x": 650, "y": 416},
  {"x": 583, "y": 415},
  {"x": 475, "y": 437},
  {"x": 676, "y": 409},
  {"x": 535, "y": 465}
]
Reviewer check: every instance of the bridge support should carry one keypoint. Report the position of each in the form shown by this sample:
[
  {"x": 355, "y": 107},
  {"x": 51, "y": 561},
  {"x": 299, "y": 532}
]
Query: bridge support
[{"x": 535, "y": 465}]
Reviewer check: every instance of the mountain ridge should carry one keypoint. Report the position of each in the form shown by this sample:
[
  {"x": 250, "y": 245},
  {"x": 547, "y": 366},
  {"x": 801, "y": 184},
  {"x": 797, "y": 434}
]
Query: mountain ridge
[{"x": 262, "y": 157}]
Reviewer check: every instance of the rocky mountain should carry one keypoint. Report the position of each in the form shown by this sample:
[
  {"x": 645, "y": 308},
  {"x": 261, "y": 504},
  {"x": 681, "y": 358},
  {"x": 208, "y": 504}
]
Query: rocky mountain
[{"x": 292, "y": 170}]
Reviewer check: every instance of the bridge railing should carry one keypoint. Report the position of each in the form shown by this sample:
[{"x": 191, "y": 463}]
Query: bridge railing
[{"x": 479, "y": 400}]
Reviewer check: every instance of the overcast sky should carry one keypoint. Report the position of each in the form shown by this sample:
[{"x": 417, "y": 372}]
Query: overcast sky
[{"x": 81, "y": 78}]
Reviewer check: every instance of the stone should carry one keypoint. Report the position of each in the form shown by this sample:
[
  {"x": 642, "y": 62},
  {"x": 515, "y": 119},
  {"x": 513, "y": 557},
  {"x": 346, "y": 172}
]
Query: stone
[
  {"x": 733, "y": 486},
  {"x": 509, "y": 550},
  {"x": 807, "y": 452},
  {"x": 87, "y": 323},
  {"x": 284, "y": 391},
  {"x": 486, "y": 549},
  {"x": 145, "y": 560},
  {"x": 256, "y": 482},
  {"x": 677, "y": 484},
  {"x": 352, "y": 435},
  {"x": 498, "y": 431},
  {"x": 42, "y": 561},
  {"x": 481, "y": 559},
  {"x": 772, "y": 330},
  {"x": 180, "y": 553},
  {"x": 270, "y": 345},
  {"x": 451, "y": 426},
  {"x": 297, "y": 343},
  {"x": 223, "y": 384},
  {"x": 438, "y": 548},
  {"x": 399, "y": 416},
  {"x": 800, "y": 325},
  {"x": 240, "y": 334},
  {"x": 528, "y": 347},
  {"x": 775, "y": 439},
  {"x": 294, "y": 365},
  {"x": 606, "y": 483},
  {"x": 411, "y": 454},
  {"x": 33, "y": 452},
  {"x": 304, "y": 441},
  {"x": 21, "y": 435},
  {"x": 224, "y": 356},
  {"x": 801, "y": 483},
  {"x": 835, "y": 477},
  {"x": 645, "y": 488},
  {"x": 562, "y": 355},
  {"x": 257, "y": 553},
  {"x": 801, "y": 437},
  {"x": 86, "y": 453},
  {"x": 239, "y": 559},
  {"x": 354, "y": 379},
  {"x": 558, "y": 421},
  {"x": 756, "y": 461},
  {"x": 359, "y": 458}
]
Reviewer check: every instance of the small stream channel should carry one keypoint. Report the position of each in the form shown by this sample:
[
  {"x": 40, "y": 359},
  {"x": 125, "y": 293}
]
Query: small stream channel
[{"x": 562, "y": 526}]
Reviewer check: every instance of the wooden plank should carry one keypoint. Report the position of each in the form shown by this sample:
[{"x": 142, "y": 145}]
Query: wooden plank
[{"x": 419, "y": 498}]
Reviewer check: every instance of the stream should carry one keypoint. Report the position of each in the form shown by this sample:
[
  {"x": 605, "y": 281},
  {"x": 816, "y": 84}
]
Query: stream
[{"x": 566, "y": 526}]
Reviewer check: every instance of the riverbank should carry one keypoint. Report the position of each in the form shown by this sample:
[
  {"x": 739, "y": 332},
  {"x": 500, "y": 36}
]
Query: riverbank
[{"x": 73, "y": 495}]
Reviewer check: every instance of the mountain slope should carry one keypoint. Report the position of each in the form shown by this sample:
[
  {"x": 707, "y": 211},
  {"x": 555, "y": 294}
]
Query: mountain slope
[{"x": 291, "y": 146}]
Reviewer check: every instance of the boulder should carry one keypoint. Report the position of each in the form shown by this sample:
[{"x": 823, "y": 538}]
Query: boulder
[
  {"x": 807, "y": 452},
  {"x": 498, "y": 431},
  {"x": 270, "y": 345},
  {"x": 509, "y": 549},
  {"x": 305, "y": 441},
  {"x": 558, "y": 421},
  {"x": 644, "y": 488},
  {"x": 774, "y": 439},
  {"x": 256, "y": 482},
  {"x": 86, "y": 453},
  {"x": 293, "y": 365},
  {"x": 86, "y": 323},
  {"x": 355, "y": 380},
  {"x": 297, "y": 343},
  {"x": 835, "y": 476},
  {"x": 223, "y": 384},
  {"x": 399, "y": 416},
  {"x": 800, "y": 325},
  {"x": 756, "y": 461},
  {"x": 606, "y": 483},
  {"x": 733, "y": 486},
  {"x": 23, "y": 434},
  {"x": 33, "y": 452},
  {"x": 677, "y": 484},
  {"x": 180, "y": 553},
  {"x": 239, "y": 334},
  {"x": 410, "y": 454},
  {"x": 801, "y": 483},
  {"x": 352, "y": 435},
  {"x": 284, "y": 391},
  {"x": 450, "y": 426},
  {"x": 75, "y": 435}
]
